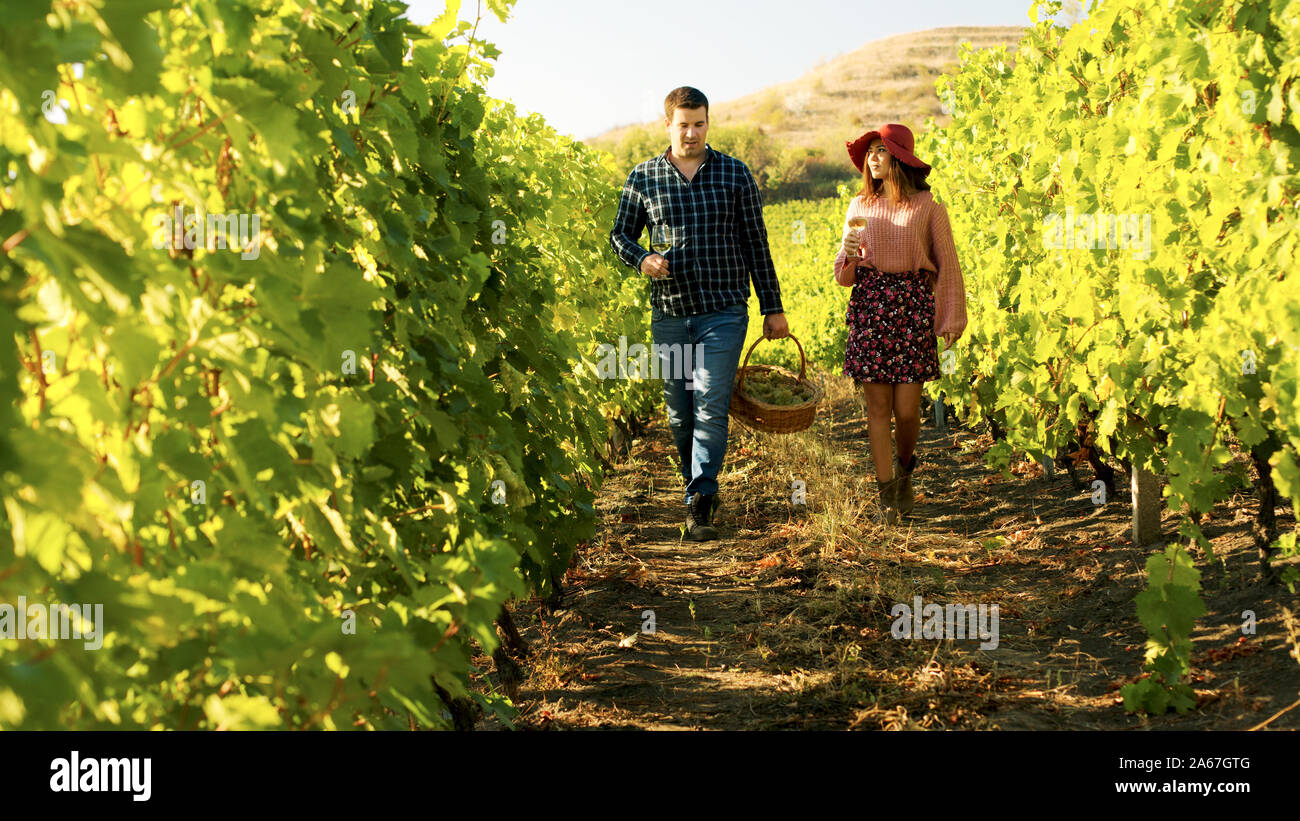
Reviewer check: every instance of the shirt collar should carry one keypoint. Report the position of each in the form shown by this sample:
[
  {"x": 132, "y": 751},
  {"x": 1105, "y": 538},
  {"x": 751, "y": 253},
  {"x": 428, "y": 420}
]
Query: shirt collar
[{"x": 709, "y": 153}]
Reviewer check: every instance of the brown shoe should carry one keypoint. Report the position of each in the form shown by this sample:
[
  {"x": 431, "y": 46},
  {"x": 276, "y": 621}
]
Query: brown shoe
[
  {"x": 888, "y": 501},
  {"x": 903, "y": 495}
]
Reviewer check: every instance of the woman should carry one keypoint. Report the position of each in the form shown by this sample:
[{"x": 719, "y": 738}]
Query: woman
[{"x": 907, "y": 287}]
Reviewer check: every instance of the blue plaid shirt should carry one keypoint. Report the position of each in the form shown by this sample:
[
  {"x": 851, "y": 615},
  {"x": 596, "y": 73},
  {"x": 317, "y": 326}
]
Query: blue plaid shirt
[{"x": 719, "y": 240}]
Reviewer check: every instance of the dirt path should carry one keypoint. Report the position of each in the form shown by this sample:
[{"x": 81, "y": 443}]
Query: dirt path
[{"x": 785, "y": 622}]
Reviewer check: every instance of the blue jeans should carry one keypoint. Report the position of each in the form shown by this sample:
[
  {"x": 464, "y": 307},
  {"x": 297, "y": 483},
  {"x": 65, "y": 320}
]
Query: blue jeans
[{"x": 698, "y": 414}]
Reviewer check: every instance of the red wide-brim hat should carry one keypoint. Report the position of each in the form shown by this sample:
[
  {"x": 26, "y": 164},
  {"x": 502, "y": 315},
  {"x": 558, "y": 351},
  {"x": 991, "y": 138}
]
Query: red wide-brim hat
[{"x": 898, "y": 142}]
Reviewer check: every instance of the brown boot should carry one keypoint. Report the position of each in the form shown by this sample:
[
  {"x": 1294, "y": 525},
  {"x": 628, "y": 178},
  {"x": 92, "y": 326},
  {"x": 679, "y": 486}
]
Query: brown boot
[
  {"x": 903, "y": 494},
  {"x": 888, "y": 501},
  {"x": 699, "y": 515}
]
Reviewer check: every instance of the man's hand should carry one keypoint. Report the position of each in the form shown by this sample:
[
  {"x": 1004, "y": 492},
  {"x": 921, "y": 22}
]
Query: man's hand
[
  {"x": 775, "y": 327},
  {"x": 654, "y": 266}
]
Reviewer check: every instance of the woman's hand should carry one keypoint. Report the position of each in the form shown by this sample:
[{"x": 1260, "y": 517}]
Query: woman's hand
[
  {"x": 852, "y": 241},
  {"x": 948, "y": 338}
]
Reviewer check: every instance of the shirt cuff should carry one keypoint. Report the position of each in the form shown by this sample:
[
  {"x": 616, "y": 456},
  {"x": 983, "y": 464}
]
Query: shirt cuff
[{"x": 640, "y": 259}]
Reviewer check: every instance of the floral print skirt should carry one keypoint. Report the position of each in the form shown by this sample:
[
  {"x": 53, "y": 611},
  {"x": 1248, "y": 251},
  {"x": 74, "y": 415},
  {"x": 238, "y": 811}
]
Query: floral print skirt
[{"x": 891, "y": 328}]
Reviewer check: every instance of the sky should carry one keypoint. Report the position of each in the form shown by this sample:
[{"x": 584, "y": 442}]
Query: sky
[{"x": 590, "y": 65}]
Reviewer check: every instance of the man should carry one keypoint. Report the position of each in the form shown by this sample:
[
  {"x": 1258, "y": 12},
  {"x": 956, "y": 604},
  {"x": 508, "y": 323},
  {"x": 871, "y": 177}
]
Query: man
[{"x": 700, "y": 286}]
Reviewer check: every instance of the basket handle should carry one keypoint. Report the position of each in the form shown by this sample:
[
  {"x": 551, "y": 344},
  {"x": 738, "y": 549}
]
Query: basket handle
[{"x": 802, "y": 360}]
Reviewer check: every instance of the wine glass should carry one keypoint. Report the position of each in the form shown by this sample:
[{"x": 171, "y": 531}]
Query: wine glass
[
  {"x": 857, "y": 224},
  {"x": 661, "y": 239}
]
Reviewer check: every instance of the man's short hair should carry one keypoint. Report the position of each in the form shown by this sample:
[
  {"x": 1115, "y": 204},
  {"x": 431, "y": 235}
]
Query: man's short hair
[{"x": 685, "y": 97}]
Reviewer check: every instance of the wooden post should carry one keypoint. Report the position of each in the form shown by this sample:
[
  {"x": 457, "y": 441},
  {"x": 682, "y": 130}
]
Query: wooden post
[
  {"x": 1048, "y": 466},
  {"x": 1146, "y": 507},
  {"x": 939, "y": 414}
]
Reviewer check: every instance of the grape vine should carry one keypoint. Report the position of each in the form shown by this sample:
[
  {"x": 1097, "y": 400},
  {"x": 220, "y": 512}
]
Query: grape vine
[
  {"x": 1125, "y": 194},
  {"x": 302, "y": 468}
]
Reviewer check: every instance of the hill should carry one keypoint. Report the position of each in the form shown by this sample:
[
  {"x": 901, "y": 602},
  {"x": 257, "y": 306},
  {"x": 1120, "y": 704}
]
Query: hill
[{"x": 887, "y": 80}]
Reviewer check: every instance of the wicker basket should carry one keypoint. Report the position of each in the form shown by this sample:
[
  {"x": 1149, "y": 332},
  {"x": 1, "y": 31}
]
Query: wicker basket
[{"x": 773, "y": 418}]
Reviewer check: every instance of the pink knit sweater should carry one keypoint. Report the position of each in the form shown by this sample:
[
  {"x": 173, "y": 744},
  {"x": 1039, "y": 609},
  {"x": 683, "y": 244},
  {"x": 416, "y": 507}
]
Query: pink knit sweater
[{"x": 913, "y": 237}]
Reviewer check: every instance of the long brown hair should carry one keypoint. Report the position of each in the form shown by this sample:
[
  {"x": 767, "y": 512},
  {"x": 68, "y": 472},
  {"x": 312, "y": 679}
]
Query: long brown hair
[{"x": 900, "y": 182}]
